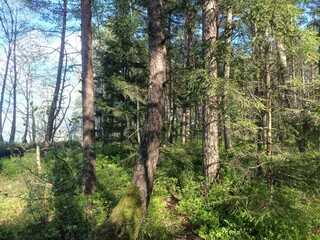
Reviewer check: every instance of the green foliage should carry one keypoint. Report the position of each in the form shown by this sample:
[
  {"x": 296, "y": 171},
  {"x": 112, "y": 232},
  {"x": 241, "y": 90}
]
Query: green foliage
[
  {"x": 160, "y": 222},
  {"x": 248, "y": 212},
  {"x": 240, "y": 206},
  {"x": 121, "y": 72},
  {"x": 180, "y": 162},
  {"x": 13, "y": 167},
  {"x": 194, "y": 83},
  {"x": 112, "y": 179}
]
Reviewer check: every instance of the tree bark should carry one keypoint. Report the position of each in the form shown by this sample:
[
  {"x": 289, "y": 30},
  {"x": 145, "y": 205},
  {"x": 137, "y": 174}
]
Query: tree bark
[
  {"x": 268, "y": 113},
  {"x": 188, "y": 64},
  {"x": 150, "y": 142},
  {"x": 53, "y": 107},
  {"x": 172, "y": 108},
  {"x": 33, "y": 124},
  {"x": 267, "y": 78},
  {"x": 89, "y": 162},
  {"x": 138, "y": 123},
  {"x": 127, "y": 217},
  {"x": 227, "y": 68},
  {"x": 14, "y": 86},
  {"x": 211, "y": 162},
  {"x": 27, "y": 113}
]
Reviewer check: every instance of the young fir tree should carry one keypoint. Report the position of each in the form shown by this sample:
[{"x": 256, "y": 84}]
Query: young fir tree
[{"x": 121, "y": 74}]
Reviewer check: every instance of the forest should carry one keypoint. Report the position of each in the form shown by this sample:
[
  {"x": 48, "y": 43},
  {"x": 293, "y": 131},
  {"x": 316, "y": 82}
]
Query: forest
[{"x": 159, "y": 119}]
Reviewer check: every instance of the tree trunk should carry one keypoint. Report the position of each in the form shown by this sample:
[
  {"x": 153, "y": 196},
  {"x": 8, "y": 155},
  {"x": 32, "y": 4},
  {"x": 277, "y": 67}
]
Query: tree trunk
[
  {"x": 25, "y": 134},
  {"x": 171, "y": 96},
  {"x": 268, "y": 113},
  {"x": 138, "y": 123},
  {"x": 186, "y": 125},
  {"x": 33, "y": 125},
  {"x": 211, "y": 162},
  {"x": 27, "y": 113},
  {"x": 89, "y": 162},
  {"x": 226, "y": 117},
  {"x": 149, "y": 149},
  {"x": 14, "y": 86},
  {"x": 128, "y": 215},
  {"x": 188, "y": 64},
  {"x": 38, "y": 158},
  {"x": 267, "y": 79},
  {"x": 53, "y": 107}
]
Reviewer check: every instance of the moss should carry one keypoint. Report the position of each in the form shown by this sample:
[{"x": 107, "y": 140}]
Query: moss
[{"x": 125, "y": 219}]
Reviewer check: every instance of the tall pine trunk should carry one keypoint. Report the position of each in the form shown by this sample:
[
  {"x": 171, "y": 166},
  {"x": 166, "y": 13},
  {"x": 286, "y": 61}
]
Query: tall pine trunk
[
  {"x": 211, "y": 162},
  {"x": 89, "y": 162}
]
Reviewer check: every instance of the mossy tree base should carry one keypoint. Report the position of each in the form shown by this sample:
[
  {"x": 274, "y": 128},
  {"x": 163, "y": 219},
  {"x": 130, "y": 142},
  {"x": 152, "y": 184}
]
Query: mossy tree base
[{"x": 125, "y": 219}]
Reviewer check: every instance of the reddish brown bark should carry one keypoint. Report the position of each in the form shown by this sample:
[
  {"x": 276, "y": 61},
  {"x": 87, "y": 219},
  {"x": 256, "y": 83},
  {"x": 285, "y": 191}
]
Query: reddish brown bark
[
  {"x": 150, "y": 141},
  {"x": 89, "y": 164},
  {"x": 211, "y": 162}
]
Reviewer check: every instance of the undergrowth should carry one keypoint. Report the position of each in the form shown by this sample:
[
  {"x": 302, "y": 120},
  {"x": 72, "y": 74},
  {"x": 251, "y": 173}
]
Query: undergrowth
[{"x": 50, "y": 205}]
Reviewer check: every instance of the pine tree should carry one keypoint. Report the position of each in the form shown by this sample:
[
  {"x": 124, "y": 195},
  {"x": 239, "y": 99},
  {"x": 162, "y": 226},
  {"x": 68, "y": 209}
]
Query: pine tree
[
  {"x": 89, "y": 162},
  {"x": 211, "y": 162}
]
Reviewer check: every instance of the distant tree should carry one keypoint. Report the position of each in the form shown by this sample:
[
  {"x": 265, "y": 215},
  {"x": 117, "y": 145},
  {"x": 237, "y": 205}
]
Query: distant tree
[
  {"x": 7, "y": 25},
  {"x": 121, "y": 72},
  {"x": 14, "y": 82},
  {"x": 189, "y": 64},
  {"x": 55, "y": 107},
  {"x": 14, "y": 28}
]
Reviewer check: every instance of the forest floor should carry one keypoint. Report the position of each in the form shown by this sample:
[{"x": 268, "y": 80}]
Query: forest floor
[
  {"x": 188, "y": 233},
  {"x": 42, "y": 207}
]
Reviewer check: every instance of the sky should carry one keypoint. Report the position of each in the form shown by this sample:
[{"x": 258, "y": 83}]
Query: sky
[{"x": 39, "y": 52}]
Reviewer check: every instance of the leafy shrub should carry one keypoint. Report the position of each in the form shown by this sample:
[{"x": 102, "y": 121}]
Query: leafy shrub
[
  {"x": 14, "y": 166},
  {"x": 245, "y": 210}
]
